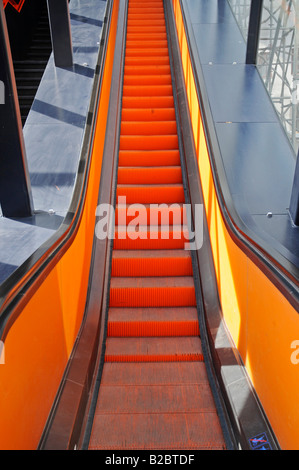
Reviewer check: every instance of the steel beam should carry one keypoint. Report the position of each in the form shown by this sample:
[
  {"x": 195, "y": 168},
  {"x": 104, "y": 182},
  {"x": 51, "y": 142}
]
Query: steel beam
[
  {"x": 60, "y": 26},
  {"x": 254, "y": 31}
]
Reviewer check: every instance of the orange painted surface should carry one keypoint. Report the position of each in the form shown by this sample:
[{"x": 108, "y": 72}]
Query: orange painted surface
[
  {"x": 261, "y": 321},
  {"x": 39, "y": 342}
]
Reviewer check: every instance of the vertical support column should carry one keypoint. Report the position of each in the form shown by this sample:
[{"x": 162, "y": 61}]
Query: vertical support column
[
  {"x": 254, "y": 30},
  {"x": 294, "y": 204},
  {"x": 15, "y": 188},
  {"x": 60, "y": 26}
]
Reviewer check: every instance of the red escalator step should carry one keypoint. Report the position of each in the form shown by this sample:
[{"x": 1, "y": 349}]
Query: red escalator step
[
  {"x": 149, "y": 102},
  {"x": 147, "y": 90},
  {"x": 154, "y": 431},
  {"x": 147, "y": 60},
  {"x": 152, "y": 142},
  {"x": 146, "y": 51},
  {"x": 150, "y": 214},
  {"x": 154, "y": 373},
  {"x": 146, "y": 175},
  {"x": 152, "y": 292},
  {"x": 148, "y": 158},
  {"x": 154, "y": 29},
  {"x": 149, "y": 18},
  {"x": 155, "y": 263},
  {"x": 138, "y": 322},
  {"x": 151, "y": 193},
  {"x": 148, "y": 114},
  {"x": 148, "y": 128},
  {"x": 145, "y": 22},
  {"x": 147, "y": 349},
  {"x": 156, "y": 399},
  {"x": 144, "y": 9},
  {"x": 135, "y": 80}
]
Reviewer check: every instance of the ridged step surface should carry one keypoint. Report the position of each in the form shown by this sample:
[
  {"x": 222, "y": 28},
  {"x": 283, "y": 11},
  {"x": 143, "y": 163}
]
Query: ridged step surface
[{"x": 154, "y": 391}]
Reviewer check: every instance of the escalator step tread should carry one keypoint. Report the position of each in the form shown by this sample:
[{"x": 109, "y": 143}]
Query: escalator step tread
[
  {"x": 154, "y": 373},
  {"x": 157, "y": 431},
  {"x": 153, "y": 349}
]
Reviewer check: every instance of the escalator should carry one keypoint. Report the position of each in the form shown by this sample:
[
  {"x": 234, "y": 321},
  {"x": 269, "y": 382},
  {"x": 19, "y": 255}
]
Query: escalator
[{"x": 154, "y": 389}]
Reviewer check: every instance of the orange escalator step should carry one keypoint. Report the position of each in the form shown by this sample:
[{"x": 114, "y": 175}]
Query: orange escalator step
[
  {"x": 154, "y": 29},
  {"x": 147, "y": 90},
  {"x": 137, "y": 237},
  {"x": 155, "y": 43},
  {"x": 156, "y": 399},
  {"x": 155, "y": 373},
  {"x": 144, "y": 9},
  {"x": 149, "y": 157},
  {"x": 148, "y": 349},
  {"x": 145, "y": 22},
  {"x": 150, "y": 214},
  {"x": 148, "y": 175},
  {"x": 148, "y": 114},
  {"x": 150, "y": 240},
  {"x": 148, "y": 128},
  {"x": 157, "y": 431},
  {"x": 152, "y": 292},
  {"x": 138, "y": 263},
  {"x": 151, "y": 193},
  {"x": 152, "y": 322},
  {"x": 150, "y": 60},
  {"x": 148, "y": 102},
  {"x": 149, "y": 38},
  {"x": 156, "y": 15},
  {"x": 147, "y": 80},
  {"x": 151, "y": 142}
]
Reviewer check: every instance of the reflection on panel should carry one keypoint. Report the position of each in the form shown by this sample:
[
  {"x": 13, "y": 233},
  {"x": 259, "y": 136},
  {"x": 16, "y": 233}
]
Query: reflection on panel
[
  {"x": 241, "y": 10},
  {"x": 278, "y": 61}
]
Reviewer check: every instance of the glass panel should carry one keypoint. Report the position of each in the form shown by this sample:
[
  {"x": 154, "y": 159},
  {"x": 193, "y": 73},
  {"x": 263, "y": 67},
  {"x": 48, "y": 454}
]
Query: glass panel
[
  {"x": 277, "y": 61},
  {"x": 241, "y": 10}
]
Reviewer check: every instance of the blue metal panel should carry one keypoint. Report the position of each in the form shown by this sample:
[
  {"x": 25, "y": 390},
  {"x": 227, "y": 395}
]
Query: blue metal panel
[
  {"x": 219, "y": 43},
  {"x": 209, "y": 11},
  {"x": 251, "y": 154},
  {"x": 237, "y": 94}
]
